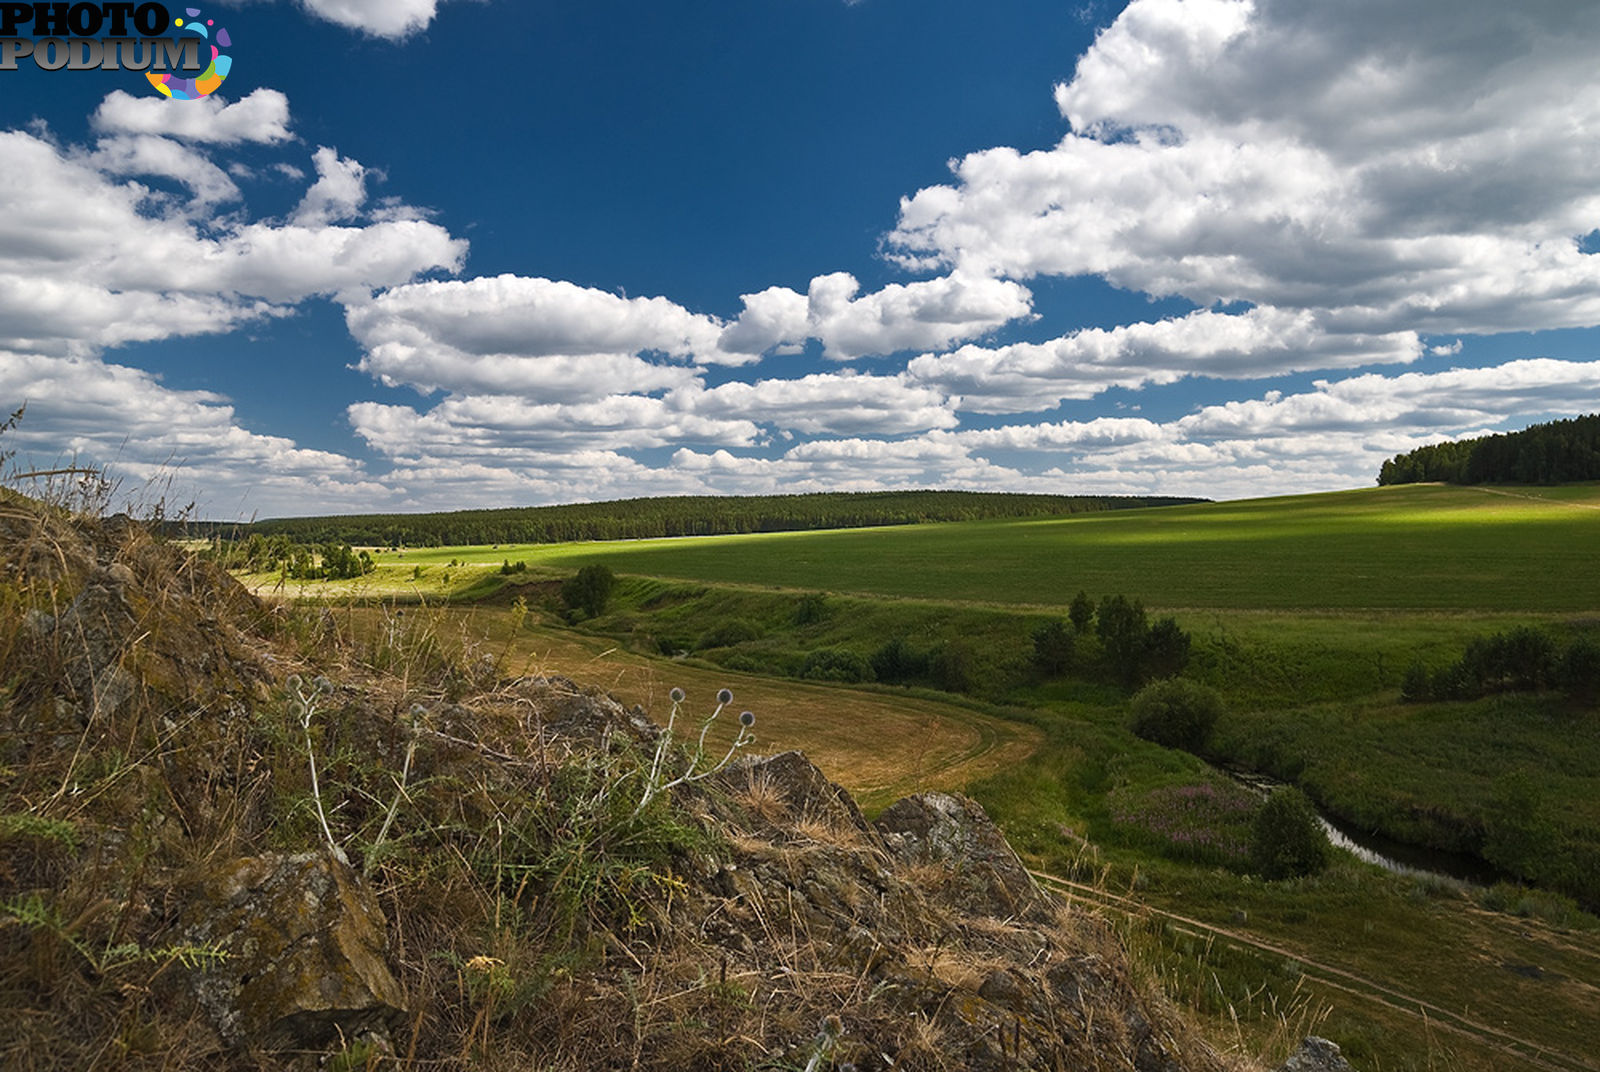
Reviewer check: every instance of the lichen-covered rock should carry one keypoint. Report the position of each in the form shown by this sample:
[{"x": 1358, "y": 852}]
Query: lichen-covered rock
[
  {"x": 1316, "y": 1055},
  {"x": 303, "y": 964},
  {"x": 952, "y": 830}
]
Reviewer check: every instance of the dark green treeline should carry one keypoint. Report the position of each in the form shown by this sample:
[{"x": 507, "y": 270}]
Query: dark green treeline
[
  {"x": 699, "y": 515},
  {"x": 1553, "y": 453}
]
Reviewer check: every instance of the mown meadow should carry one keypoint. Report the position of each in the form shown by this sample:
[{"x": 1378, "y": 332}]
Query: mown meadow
[{"x": 1304, "y": 615}]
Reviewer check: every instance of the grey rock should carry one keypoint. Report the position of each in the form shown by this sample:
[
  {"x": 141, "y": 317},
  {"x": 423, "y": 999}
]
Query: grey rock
[
  {"x": 955, "y": 831},
  {"x": 1316, "y": 1055},
  {"x": 302, "y": 943}
]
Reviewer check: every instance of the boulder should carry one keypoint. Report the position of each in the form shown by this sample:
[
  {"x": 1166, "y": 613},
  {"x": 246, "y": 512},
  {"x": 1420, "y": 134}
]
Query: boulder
[
  {"x": 954, "y": 831},
  {"x": 1316, "y": 1055},
  {"x": 302, "y": 942}
]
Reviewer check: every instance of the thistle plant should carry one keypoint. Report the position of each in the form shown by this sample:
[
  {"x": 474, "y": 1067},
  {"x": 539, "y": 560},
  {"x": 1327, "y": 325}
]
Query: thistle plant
[
  {"x": 658, "y": 777},
  {"x": 418, "y": 713},
  {"x": 303, "y": 702}
]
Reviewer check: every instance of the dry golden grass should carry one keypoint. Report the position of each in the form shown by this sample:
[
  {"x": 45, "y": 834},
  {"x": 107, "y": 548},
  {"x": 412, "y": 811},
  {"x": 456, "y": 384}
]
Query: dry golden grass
[{"x": 879, "y": 746}]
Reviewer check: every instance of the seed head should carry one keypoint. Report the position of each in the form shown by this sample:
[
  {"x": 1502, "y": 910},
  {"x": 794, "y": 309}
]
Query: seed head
[
  {"x": 676, "y": 695},
  {"x": 725, "y": 696},
  {"x": 747, "y": 719}
]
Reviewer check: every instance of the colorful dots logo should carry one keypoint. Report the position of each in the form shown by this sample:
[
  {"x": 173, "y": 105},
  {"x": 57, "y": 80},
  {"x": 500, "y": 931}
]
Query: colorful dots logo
[{"x": 210, "y": 80}]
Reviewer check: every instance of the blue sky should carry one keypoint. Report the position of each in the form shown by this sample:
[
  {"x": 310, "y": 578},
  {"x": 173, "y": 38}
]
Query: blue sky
[{"x": 430, "y": 255}]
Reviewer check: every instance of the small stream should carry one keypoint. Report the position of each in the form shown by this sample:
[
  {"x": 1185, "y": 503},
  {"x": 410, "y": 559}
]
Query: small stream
[{"x": 1397, "y": 856}]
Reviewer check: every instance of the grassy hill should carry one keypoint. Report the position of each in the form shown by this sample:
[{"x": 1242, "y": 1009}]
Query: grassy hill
[{"x": 1409, "y": 547}]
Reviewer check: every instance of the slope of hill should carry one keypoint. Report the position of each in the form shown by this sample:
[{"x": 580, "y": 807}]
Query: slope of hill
[
  {"x": 235, "y": 838},
  {"x": 1418, "y": 547}
]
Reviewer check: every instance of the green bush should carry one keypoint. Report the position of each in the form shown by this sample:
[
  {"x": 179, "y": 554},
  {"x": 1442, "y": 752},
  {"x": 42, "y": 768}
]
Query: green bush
[
  {"x": 1052, "y": 648},
  {"x": 1121, "y": 626},
  {"x": 1177, "y": 713},
  {"x": 1415, "y": 686},
  {"x": 1081, "y": 612},
  {"x": 812, "y": 608},
  {"x": 836, "y": 664},
  {"x": 1579, "y": 669},
  {"x": 589, "y": 590},
  {"x": 952, "y": 667},
  {"x": 1286, "y": 839},
  {"x": 897, "y": 662}
]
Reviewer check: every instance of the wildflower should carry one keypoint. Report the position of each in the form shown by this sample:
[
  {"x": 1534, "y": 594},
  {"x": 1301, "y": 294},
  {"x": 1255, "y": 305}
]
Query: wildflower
[{"x": 747, "y": 719}]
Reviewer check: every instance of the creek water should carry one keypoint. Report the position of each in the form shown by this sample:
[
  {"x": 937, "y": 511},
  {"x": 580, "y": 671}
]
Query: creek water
[{"x": 1397, "y": 856}]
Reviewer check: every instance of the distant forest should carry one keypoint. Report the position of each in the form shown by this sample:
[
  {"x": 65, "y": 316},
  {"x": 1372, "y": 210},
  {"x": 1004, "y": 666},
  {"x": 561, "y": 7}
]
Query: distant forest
[
  {"x": 699, "y": 515},
  {"x": 1553, "y": 453}
]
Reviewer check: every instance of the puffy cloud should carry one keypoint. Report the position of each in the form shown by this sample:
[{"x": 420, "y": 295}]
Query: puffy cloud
[
  {"x": 151, "y": 436},
  {"x": 1027, "y": 377},
  {"x": 902, "y": 316},
  {"x": 393, "y": 19},
  {"x": 1454, "y": 402},
  {"x": 1390, "y": 167},
  {"x": 88, "y": 262},
  {"x": 484, "y": 427},
  {"x": 148, "y": 155},
  {"x": 262, "y": 117},
  {"x": 545, "y": 339},
  {"x": 338, "y": 193},
  {"x": 829, "y": 404}
]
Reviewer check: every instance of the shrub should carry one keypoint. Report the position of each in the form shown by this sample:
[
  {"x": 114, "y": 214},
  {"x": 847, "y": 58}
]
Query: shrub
[
  {"x": 1415, "y": 686},
  {"x": 1081, "y": 612},
  {"x": 836, "y": 664},
  {"x": 1052, "y": 648},
  {"x": 589, "y": 590},
  {"x": 897, "y": 663},
  {"x": 1286, "y": 839},
  {"x": 952, "y": 667},
  {"x": 1121, "y": 627},
  {"x": 1177, "y": 713},
  {"x": 1578, "y": 671},
  {"x": 812, "y": 608},
  {"x": 1166, "y": 649},
  {"x": 1519, "y": 836}
]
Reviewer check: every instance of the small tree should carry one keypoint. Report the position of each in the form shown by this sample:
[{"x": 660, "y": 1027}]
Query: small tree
[
  {"x": 1081, "y": 612},
  {"x": 1122, "y": 628},
  {"x": 1415, "y": 686},
  {"x": 1166, "y": 649},
  {"x": 896, "y": 662},
  {"x": 1177, "y": 713},
  {"x": 1286, "y": 839},
  {"x": 1519, "y": 835},
  {"x": 836, "y": 664},
  {"x": 1579, "y": 669},
  {"x": 589, "y": 590},
  {"x": 1052, "y": 648}
]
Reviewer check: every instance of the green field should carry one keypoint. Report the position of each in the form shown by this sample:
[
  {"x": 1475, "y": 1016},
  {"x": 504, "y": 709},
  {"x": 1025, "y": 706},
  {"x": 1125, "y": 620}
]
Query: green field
[{"x": 1412, "y": 547}]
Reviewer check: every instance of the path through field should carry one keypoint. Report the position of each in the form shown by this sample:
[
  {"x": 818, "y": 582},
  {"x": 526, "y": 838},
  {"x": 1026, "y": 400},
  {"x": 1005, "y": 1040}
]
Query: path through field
[{"x": 1507, "y": 1046}]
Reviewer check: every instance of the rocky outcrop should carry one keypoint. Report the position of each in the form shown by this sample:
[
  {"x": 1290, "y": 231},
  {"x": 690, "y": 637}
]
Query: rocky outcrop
[
  {"x": 179, "y": 906},
  {"x": 1316, "y": 1055},
  {"x": 954, "y": 832},
  {"x": 298, "y": 943}
]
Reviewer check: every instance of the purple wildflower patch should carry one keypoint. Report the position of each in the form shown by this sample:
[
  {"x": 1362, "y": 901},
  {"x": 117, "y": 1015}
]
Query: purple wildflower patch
[{"x": 1203, "y": 823}]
